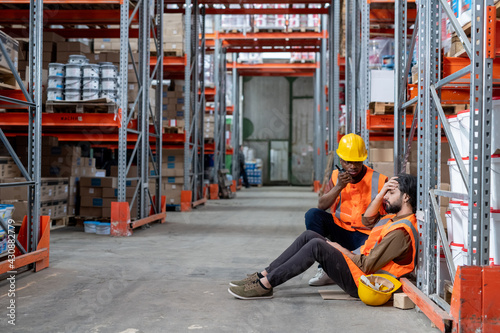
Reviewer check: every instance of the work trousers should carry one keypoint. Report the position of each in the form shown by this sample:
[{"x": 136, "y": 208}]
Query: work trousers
[
  {"x": 308, "y": 248},
  {"x": 322, "y": 222}
]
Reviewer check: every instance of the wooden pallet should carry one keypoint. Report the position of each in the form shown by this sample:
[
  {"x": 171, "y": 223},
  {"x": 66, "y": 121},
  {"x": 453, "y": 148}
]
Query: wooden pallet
[
  {"x": 303, "y": 61},
  {"x": 303, "y": 29},
  {"x": 173, "y": 53},
  {"x": 454, "y": 108},
  {"x": 102, "y": 105},
  {"x": 173, "y": 130},
  {"x": 269, "y": 30},
  {"x": 7, "y": 79},
  {"x": 60, "y": 222},
  {"x": 381, "y": 108}
]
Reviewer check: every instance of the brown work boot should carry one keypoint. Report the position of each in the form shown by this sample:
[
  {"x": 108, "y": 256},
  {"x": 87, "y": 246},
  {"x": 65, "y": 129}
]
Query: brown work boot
[{"x": 251, "y": 290}]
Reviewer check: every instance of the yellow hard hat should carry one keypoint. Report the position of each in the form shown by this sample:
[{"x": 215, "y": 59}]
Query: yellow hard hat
[
  {"x": 373, "y": 297},
  {"x": 352, "y": 148}
]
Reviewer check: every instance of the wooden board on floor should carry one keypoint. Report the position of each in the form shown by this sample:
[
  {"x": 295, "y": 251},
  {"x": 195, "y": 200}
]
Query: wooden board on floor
[{"x": 336, "y": 295}]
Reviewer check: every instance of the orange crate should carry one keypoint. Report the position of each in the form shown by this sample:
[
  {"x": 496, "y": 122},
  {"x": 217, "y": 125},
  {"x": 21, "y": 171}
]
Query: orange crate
[
  {"x": 449, "y": 95},
  {"x": 452, "y": 65}
]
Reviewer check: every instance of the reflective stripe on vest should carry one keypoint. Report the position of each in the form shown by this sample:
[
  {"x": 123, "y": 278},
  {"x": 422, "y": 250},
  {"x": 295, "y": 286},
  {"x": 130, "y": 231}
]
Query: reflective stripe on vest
[
  {"x": 376, "y": 230},
  {"x": 357, "y": 197},
  {"x": 375, "y": 179}
]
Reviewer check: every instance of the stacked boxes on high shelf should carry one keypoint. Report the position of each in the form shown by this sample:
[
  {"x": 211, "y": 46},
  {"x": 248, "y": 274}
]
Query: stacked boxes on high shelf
[
  {"x": 254, "y": 173},
  {"x": 7, "y": 79},
  {"x": 209, "y": 127},
  {"x": 173, "y": 34},
  {"x": 173, "y": 107}
]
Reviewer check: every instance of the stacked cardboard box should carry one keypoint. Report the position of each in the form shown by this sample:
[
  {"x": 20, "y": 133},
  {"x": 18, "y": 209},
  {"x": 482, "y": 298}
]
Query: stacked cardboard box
[
  {"x": 8, "y": 168},
  {"x": 173, "y": 34},
  {"x": 112, "y": 45},
  {"x": 172, "y": 175},
  {"x": 382, "y": 157},
  {"x": 12, "y": 48},
  {"x": 209, "y": 126},
  {"x": 50, "y": 53},
  {"x": 173, "y": 105},
  {"x": 97, "y": 194},
  {"x": 54, "y": 194}
]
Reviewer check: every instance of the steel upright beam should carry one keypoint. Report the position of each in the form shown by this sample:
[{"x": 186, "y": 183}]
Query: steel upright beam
[
  {"x": 400, "y": 80},
  {"x": 322, "y": 92},
  {"x": 122, "y": 132},
  {"x": 188, "y": 96},
  {"x": 157, "y": 112},
  {"x": 35, "y": 122},
  {"x": 348, "y": 66},
  {"x": 236, "y": 121},
  {"x": 364, "y": 87},
  {"x": 354, "y": 66},
  {"x": 480, "y": 135},
  {"x": 217, "y": 100},
  {"x": 429, "y": 136},
  {"x": 143, "y": 114},
  {"x": 194, "y": 101},
  {"x": 334, "y": 90},
  {"x": 316, "y": 132}
]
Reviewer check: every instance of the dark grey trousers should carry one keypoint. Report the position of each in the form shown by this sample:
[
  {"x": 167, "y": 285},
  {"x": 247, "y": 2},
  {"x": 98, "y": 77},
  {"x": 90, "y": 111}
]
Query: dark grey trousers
[{"x": 308, "y": 248}]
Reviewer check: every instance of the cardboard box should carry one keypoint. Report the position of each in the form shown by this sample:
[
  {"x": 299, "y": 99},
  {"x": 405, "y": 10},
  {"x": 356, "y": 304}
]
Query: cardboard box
[
  {"x": 91, "y": 191},
  {"x": 172, "y": 155},
  {"x": 71, "y": 210},
  {"x": 63, "y": 57},
  {"x": 381, "y": 154},
  {"x": 15, "y": 192},
  {"x": 402, "y": 301},
  {"x": 132, "y": 172},
  {"x": 52, "y": 37},
  {"x": 387, "y": 168},
  {"x": 47, "y": 210},
  {"x": 20, "y": 209},
  {"x": 173, "y": 180},
  {"x": 73, "y": 47},
  {"x": 91, "y": 211},
  {"x": 12, "y": 47},
  {"x": 99, "y": 182},
  {"x": 87, "y": 201},
  {"x": 113, "y": 192}
]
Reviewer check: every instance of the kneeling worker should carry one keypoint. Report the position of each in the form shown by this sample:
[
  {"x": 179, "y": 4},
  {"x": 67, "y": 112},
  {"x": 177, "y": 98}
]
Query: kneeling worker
[
  {"x": 391, "y": 247},
  {"x": 348, "y": 194}
]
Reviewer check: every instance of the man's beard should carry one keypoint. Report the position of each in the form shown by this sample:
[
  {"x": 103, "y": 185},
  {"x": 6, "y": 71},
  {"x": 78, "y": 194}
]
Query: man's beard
[{"x": 393, "y": 208}]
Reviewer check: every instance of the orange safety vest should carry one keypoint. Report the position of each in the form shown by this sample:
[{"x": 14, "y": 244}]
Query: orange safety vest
[
  {"x": 385, "y": 226},
  {"x": 353, "y": 200}
]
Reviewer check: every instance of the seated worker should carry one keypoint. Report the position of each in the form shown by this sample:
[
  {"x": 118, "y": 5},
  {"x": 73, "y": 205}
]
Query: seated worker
[
  {"x": 348, "y": 194},
  {"x": 391, "y": 247}
]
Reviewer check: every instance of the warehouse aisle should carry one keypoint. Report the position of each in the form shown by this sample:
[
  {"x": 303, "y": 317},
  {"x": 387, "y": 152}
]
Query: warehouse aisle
[{"x": 173, "y": 277}]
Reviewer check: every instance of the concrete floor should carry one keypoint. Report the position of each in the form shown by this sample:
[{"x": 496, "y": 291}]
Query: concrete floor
[{"x": 174, "y": 277}]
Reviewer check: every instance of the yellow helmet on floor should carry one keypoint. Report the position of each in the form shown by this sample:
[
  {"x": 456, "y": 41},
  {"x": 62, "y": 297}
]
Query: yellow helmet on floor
[
  {"x": 386, "y": 285},
  {"x": 352, "y": 148}
]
